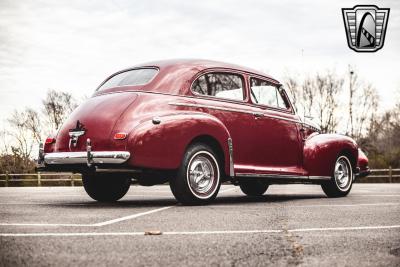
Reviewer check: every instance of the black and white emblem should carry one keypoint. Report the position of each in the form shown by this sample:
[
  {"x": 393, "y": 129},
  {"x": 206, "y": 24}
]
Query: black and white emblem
[{"x": 365, "y": 27}]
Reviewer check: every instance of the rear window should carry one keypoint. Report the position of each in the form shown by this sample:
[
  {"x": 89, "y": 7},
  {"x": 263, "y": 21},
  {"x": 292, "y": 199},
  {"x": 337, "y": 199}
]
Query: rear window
[{"x": 130, "y": 77}]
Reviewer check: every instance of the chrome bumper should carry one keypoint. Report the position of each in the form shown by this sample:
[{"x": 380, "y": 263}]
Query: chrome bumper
[{"x": 89, "y": 158}]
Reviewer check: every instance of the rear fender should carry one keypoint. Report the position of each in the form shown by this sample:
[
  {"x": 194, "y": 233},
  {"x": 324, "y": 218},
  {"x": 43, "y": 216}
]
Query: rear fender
[
  {"x": 162, "y": 145},
  {"x": 322, "y": 150}
]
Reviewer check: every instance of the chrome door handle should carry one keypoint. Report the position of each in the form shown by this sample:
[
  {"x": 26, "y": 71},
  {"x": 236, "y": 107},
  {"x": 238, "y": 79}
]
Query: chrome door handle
[{"x": 258, "y": 114}]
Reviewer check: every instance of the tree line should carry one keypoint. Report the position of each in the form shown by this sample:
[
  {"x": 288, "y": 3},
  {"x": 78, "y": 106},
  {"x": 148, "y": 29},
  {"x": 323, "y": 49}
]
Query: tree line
[
  {"x": 27, "y": 128},
  {"x": 341, "y": 104}
]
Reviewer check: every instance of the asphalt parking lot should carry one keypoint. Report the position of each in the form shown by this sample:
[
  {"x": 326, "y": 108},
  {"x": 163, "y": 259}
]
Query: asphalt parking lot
[{"x": 290, "y": 225}]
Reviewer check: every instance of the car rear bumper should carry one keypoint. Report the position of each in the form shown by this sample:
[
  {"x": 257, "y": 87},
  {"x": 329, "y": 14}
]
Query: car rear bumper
[
  {"x": 95, "y": 157},
  {"x": 82, "y": 160},
  {"x": 363, "y": 172},
  {"x": 77, "y": 161}
]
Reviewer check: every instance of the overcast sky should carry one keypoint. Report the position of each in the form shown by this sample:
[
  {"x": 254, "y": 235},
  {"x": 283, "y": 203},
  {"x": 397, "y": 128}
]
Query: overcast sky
[{"x": 73, "y": 45}]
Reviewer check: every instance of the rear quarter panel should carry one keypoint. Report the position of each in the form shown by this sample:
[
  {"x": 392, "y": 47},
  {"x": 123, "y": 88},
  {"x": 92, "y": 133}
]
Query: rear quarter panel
[{"x": 162, "y": 146}]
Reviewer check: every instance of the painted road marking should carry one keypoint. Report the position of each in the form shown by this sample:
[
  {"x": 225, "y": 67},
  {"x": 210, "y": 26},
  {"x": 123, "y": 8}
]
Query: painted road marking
[
  {"x": 221, "y": 232},
  {"x": 133, "y": 216},
  {"x": 275, "y": 205},
  {"x": 129, "y": 217}
]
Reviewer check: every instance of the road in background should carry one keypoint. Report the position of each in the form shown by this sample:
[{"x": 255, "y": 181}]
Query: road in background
[{"x": 290, "y": 225}]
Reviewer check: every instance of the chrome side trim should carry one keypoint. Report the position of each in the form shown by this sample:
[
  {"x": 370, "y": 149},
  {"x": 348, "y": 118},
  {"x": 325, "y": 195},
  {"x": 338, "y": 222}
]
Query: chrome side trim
[
  {"x": 260, "y": 175},
  {"x": 231, "y": 168},
  {"x": 288, "y": 176},
  {"x": 230, "y": 109},
  {"x": 96, "y": 157},
  {"x": 319, "y": 177}
]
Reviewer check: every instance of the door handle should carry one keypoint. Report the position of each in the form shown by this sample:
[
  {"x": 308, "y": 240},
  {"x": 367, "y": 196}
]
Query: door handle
[{"x": 258, "y": 115}]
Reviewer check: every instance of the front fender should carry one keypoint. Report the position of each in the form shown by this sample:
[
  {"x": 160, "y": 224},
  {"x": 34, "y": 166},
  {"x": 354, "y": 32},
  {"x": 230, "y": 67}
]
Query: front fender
[
  {"x": 322, "y": 150},
  {"x": 162, "y": 146}
]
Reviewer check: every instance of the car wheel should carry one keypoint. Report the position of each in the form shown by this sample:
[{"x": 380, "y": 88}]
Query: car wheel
[
  {"x": 254, "y": 188},
  {"x": 105, "y": 187},
  {"x": 341, "y": 180},
  {"x": 199, "y": 177}
]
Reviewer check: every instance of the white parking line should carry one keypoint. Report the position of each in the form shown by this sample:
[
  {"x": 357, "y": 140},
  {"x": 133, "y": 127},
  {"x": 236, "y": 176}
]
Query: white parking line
[
  {"x": 218, "y": 232},
  {"x": 379, "y": 195},
  {"x": 279, "y": 205},
  {"x": 348, "y": 205},
  {"x": 129, "y": 217}
]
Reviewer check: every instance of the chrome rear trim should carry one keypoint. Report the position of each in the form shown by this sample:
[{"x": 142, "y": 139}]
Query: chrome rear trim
[{"x": 96, "y": 157}]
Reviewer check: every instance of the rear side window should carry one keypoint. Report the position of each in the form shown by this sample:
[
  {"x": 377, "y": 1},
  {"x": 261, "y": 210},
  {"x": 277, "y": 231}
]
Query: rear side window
[
  {"x": 264, "y": 93},
  {"x": 223, "y": 85},
  {"x": 130, "y": 77}
]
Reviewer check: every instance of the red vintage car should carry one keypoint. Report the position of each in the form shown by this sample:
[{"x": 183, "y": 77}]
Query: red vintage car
[{"x": 196, "y": 124}]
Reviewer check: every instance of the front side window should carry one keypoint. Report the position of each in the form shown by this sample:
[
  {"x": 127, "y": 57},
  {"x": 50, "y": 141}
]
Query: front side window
[
  {"x": 221, "y": 85},
  {"x": 130, "y": 77},
  {"x": 266, "y": 94}
]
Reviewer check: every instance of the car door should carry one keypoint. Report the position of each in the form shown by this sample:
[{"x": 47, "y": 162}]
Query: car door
[
  {"x": 277, "y": 144},
  {"x": 222, "y": 94}
]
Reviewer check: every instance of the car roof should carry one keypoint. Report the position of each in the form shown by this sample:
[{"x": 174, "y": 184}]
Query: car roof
[
  {"x": 175, "y": 75},
  {"x": 199, "y": 65}
]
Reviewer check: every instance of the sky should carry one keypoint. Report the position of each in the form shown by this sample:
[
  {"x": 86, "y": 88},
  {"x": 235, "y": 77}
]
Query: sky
[{"x": 74, "y": 45}]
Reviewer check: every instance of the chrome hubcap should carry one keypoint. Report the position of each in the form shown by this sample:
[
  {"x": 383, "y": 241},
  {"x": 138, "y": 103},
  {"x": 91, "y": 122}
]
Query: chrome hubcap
[
  {"x": 203, "y": 174},
  {"x": 342, "y": 173}
]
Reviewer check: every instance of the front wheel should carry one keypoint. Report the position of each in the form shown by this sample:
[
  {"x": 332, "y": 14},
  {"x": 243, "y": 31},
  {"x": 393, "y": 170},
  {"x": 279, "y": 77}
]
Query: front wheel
[
  {"x": 105, "y": 187},
  {"x": 341, "y": 180},
  {"x": 199, "y": 177}
]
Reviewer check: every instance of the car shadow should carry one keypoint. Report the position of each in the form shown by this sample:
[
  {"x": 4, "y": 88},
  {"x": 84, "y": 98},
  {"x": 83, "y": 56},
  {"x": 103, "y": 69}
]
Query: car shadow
[{"x": 170, "y": 201}]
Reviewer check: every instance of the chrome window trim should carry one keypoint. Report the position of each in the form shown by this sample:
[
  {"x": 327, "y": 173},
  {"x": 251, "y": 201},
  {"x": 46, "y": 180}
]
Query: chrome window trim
[
  {"x": 278, "y": 88},
  {"x": 232, "y": 110},
  {"x": 227, "y": 71},
  {"x": 126, "y": 70}
]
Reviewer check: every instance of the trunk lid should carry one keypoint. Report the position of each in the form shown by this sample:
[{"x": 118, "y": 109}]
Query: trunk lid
[{"x": 95, "y": 119}]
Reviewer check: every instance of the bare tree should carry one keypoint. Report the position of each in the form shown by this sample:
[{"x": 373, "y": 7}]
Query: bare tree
[
  {"x": 22, "y": 136},
  {"x": 320, "y": 99},
  {"x": 365, "y": 111},
  {"x": 29, "y": 127},
  {"x": 57, "y": 106},
  {"x": 362, "y": 107}
]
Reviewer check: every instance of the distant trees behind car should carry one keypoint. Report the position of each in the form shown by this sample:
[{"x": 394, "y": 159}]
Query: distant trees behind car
[
  {"x": 350, "y": 106},
  {"x": 28, "y": 127}
]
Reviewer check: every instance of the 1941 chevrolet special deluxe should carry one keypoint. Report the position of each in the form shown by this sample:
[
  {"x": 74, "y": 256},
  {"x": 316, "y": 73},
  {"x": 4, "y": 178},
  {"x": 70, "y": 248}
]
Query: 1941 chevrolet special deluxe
[{"x": 196, "y": 124}]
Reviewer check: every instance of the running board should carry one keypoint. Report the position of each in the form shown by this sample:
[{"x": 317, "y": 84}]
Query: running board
[{"x": 282, "y": 177}]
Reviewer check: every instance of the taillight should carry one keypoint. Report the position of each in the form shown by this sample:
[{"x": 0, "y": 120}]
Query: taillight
[
  {"x": 120, "y": 136},
  {"x": 50, "y": 140}
]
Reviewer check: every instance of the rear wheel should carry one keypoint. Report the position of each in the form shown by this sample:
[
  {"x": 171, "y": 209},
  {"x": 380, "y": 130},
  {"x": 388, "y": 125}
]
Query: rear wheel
[
  {"x": 199, "y": 177},
  {"x": 253, "y": 187},
  {"x": 105, "y": 187},
  {"x": 341, "y": 180}
]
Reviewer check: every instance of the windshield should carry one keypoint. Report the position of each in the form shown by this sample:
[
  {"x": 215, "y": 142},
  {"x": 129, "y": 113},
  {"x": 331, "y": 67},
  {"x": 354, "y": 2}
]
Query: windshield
[{"x": 130, "y": 77}]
